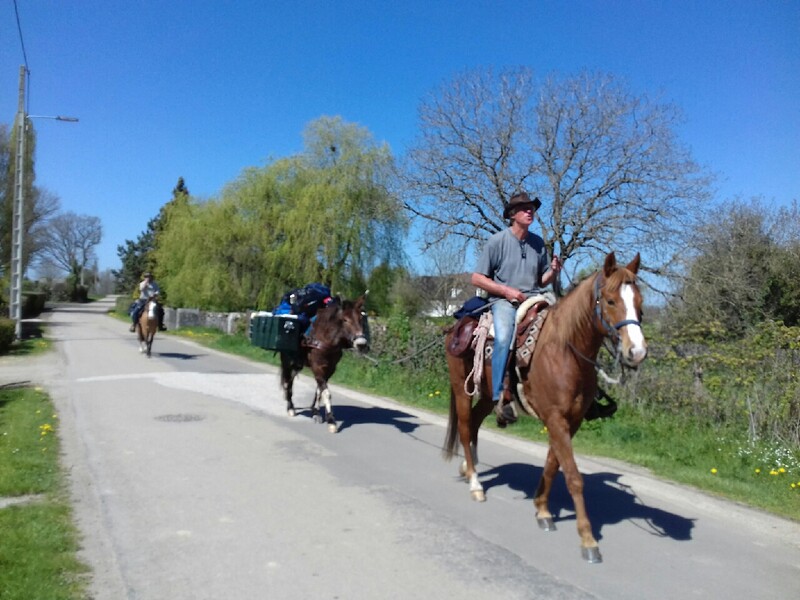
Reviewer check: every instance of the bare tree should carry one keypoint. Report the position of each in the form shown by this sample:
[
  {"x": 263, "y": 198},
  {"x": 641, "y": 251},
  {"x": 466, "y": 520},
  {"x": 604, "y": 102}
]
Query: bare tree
[
  {"x": 69, "y": 241},
  {"x": 606, "y": 164}
]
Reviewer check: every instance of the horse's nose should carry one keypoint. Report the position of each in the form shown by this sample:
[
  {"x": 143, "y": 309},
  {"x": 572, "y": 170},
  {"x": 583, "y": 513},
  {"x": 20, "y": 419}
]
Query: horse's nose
[
  {"x": 636, "y": 355},
  {"x": 361, "y": 344}
]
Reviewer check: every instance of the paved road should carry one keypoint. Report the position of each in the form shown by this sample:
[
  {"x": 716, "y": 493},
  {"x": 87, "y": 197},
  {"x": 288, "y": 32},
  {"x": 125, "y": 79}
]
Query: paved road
[{"x": 191, "y": 483}]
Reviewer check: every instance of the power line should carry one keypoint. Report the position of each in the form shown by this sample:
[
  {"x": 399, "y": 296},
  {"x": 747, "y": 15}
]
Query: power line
[
  {"x": 21, "y": 41},
  {"x": 24, "y": 57}
]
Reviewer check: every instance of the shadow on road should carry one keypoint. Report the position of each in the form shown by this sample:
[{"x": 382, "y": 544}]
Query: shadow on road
[
  {"x": 178, "y": 355},
  {"x": 347, "y": 416},
  {"x": 608, "y": 501}
]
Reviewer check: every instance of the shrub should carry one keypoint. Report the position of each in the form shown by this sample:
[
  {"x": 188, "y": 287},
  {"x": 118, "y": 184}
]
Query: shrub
[{"x": 7, "y": 334}]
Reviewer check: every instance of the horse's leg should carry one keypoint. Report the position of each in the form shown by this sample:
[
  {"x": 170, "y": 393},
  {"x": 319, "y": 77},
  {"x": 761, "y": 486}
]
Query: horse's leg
[
  {"x": 561, "y": 445},
  {"x": 540, "y": 500},
  {"x": 287, "y": 381},
  {"x": 325, "y": 398},
  {"x": 315, "y": 414}
]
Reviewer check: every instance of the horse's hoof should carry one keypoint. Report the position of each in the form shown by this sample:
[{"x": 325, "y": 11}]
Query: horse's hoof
[
  {"x": 478, "y": 496},
  {"x": 333, "y": 428},
  {"x": 546, "y": 524},
  {"x": 291, "y": 412},
  {"x": 592, "y": 555}
]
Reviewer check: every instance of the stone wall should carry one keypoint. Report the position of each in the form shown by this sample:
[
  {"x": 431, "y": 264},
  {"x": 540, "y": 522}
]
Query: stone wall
[{"x": 175, "y": 318}]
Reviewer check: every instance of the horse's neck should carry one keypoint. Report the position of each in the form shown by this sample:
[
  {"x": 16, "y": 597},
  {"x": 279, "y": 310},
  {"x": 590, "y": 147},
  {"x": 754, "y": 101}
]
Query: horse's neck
[{"x": 580, "y": 325}]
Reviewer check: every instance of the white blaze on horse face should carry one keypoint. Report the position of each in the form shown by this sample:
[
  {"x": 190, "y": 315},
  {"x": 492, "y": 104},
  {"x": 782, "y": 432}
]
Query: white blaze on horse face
[{"x": 638, "y": 349}]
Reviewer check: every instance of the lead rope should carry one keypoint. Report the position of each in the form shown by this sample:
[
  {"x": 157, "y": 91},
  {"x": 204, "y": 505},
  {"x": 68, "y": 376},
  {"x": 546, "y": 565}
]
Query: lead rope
[{"x": 480, "y": 334}]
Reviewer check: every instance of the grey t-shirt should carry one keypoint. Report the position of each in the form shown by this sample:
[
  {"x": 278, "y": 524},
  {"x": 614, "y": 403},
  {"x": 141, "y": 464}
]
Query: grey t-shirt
[{"x": 518, "y": 264}]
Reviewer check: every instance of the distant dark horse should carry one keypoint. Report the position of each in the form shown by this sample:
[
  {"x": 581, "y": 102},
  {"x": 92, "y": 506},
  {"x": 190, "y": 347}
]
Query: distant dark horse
[
  {"x": 337, "y": 326},
  {"x": 560, "y": 383},
  {"x": 147, "y": 325}
]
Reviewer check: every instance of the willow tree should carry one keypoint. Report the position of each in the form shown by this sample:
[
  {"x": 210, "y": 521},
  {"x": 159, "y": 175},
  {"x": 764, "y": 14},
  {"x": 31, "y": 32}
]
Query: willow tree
[
  {"x": 606, "y": 163},
  {"x": 324, "y": 215}
]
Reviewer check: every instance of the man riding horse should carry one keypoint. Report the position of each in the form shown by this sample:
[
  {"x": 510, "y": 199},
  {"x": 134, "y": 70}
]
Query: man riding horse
[
  {"x": 148, "y": 288},
  {"x": 513, "y": 267}
]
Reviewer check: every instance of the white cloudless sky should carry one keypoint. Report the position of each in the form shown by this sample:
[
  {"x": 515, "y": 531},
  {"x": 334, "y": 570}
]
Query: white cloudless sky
[{"x": 202, "y": 89}]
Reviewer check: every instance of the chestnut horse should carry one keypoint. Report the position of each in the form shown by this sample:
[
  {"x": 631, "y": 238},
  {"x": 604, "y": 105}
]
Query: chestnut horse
[
  {"x": 560, "y": 383},
  {"x": 336, "y": 327},
  {"x": 147, "y": 325}
]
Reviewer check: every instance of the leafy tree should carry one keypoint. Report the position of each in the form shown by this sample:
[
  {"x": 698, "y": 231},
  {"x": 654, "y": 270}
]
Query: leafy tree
[
  {"x": 744, "y": 269},
  {"x": 606, "y": 164},
  {"x": 137, "y": 256},
  {"x": 323, "y": 215}
]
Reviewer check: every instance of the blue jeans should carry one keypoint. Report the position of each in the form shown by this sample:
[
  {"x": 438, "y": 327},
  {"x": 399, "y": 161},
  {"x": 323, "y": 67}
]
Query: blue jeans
[{"x": 504, "y": 315}]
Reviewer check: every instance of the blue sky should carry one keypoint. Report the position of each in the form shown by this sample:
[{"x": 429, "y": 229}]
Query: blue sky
[{"x": 202, "y": 89}]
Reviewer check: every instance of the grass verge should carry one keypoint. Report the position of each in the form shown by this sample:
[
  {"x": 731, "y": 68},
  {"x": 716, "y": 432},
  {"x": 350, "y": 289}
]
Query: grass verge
[
  {"x": 39, "y": 542},
  {"x": 716, "y": 461}
]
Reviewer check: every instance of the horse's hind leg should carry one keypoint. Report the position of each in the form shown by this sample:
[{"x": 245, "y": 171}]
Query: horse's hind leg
[{"x": 288, "y": 374}]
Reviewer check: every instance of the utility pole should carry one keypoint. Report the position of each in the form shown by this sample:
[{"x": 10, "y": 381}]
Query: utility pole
[
  {"x": 18, "y": 228},
  {"x": 15, "y": 300}
]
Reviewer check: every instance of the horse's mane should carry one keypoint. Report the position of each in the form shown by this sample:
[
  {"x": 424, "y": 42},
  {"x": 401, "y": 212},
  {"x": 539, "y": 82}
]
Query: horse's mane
[{"x": 574, "y": 312}]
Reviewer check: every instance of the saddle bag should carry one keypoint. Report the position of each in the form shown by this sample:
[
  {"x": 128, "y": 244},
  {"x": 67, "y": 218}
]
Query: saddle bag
[{"x": 461, "y": 340}]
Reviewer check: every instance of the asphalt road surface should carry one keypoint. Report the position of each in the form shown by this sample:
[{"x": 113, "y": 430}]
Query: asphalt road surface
[{"x": 190, "y": 482}]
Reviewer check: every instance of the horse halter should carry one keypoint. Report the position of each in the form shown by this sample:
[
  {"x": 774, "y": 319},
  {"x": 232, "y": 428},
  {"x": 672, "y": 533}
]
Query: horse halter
[{"x": 612, "y": 331}]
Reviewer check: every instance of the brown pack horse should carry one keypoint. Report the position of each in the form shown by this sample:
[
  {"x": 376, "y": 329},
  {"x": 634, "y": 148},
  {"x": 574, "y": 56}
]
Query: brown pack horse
[
  {"x": 147, "y": 325},
  {"x": 337, "y": 327},
  {"x": 560, "y": 383}
]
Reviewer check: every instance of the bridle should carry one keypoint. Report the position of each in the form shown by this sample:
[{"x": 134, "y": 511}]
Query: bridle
[{"x": 611, "y": 331}]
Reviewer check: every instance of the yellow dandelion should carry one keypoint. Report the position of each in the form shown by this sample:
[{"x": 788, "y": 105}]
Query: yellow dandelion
[
  {"x": 781, "y": 470},
  {"x": 758, "y": 471},
  {"x": 794, "y": 485},
  {"x": 713, "y": 471},
  {"x": 773, "y": 472},
  {"x": 430, "y": 395},
  {"x": 436, "y": 392}
]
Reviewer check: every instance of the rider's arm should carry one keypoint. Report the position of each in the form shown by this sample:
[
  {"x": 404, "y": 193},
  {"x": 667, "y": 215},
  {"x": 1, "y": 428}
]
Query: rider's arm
[{"x": 497, "y": 289}]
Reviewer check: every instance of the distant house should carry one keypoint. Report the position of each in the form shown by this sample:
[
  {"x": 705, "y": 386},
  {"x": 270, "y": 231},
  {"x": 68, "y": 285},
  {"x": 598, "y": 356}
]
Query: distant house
[{"x": 445, "y": 294}]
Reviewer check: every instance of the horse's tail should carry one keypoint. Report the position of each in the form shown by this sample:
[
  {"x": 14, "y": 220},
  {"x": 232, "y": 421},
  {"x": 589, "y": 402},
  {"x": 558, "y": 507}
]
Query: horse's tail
[{"x": 449, "y": 448}]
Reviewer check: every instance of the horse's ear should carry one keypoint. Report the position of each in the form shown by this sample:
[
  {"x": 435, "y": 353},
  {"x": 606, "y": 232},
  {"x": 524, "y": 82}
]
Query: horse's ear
[
  {"x": 633, "y": 266},
  {"x": 610, "y": 264},
  {"x": 360, "y": 303}
]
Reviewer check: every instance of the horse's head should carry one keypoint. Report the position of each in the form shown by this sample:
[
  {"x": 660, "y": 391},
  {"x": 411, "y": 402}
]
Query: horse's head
[
  {"x": 344, "y": 323},
  {"x": 355, "y": 325},
  {"x": 618, "y": 308}
]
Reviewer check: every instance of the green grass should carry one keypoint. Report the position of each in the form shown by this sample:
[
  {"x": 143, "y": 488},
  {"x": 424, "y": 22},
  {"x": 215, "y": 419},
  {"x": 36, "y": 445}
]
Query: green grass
[
  {"x": 39, "y": 542},
  {"x": 709, "y": 459},
  {"x": 29, "y": 347}
]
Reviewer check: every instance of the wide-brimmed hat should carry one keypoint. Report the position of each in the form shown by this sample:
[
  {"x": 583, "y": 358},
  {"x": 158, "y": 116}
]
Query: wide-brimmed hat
[{"x": 519, "y": 200}]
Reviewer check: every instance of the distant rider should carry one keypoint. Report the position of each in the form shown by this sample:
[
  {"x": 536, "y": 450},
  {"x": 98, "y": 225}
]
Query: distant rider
[{"x": 147, "y": 289}]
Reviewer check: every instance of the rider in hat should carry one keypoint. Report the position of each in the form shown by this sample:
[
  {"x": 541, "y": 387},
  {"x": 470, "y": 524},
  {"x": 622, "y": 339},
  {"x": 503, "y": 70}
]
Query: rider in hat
[
  {"x": 513, "y": 266},
  {"x": 147, "y": 289}
]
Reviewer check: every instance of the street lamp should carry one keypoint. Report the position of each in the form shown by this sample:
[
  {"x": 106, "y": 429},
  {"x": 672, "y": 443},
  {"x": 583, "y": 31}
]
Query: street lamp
[{"x": 18, "y": 229}]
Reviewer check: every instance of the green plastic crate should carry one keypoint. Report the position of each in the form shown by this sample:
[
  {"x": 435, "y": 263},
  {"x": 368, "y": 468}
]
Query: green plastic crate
[{"x": 275, "y": 332}]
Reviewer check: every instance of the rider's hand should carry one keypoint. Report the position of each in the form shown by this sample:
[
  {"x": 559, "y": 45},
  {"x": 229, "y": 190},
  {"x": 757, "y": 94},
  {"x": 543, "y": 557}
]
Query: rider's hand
[
  {"x": 556, "y": 264},
  {"x": 513, "y": 295}
]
